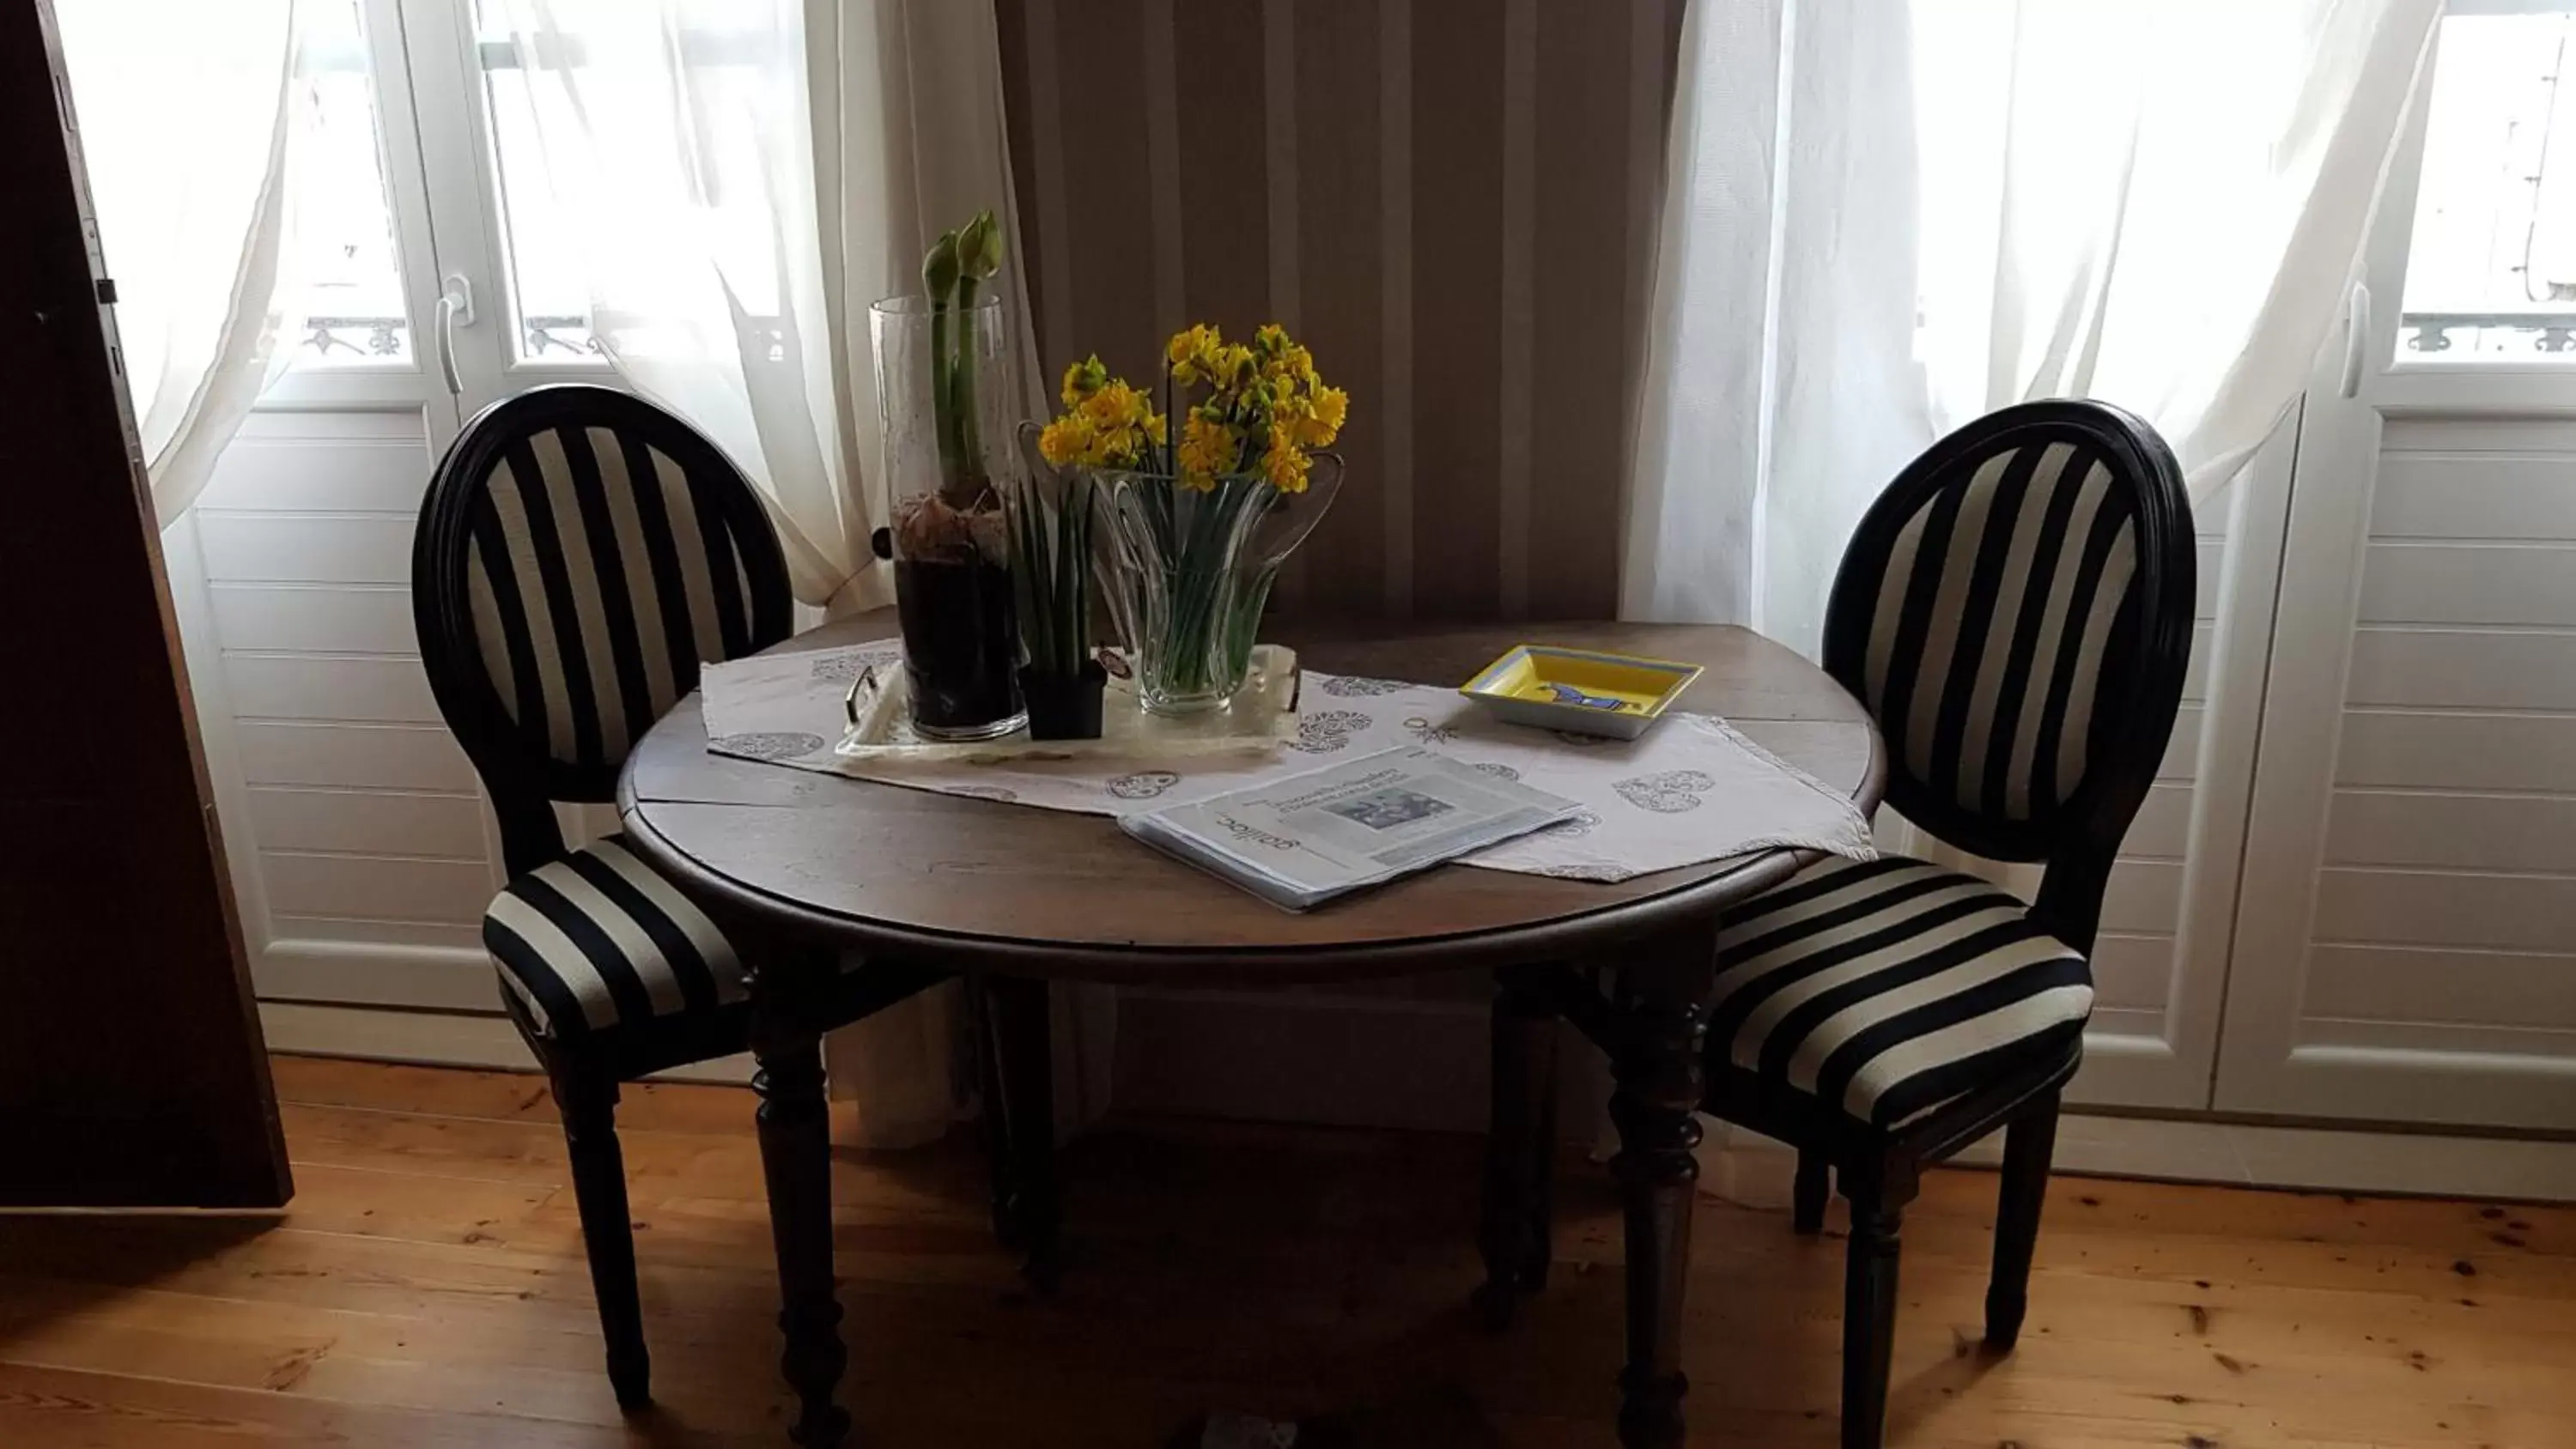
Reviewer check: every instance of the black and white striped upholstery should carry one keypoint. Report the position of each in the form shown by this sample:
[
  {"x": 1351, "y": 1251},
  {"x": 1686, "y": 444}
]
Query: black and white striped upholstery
[
  {"x": 599, "y": 572},
  {"x": 1991, "y": 621},
  {"x": 597, "y": 941},
  {"x": 1885, "y": 988},
  {"x": 580, "y": 552}
]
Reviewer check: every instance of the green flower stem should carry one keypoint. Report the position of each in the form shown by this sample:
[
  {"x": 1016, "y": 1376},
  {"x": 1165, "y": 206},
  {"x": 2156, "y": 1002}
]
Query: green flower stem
[{"x": 969, "y": 444}]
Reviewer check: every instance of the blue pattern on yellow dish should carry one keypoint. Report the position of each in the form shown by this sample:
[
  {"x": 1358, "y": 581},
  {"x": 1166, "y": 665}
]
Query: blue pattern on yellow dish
[{"x": 1584, "y": 690}]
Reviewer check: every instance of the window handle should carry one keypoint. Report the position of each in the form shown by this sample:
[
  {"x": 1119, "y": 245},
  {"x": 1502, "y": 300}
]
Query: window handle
[
  {"x": 2356, "y": 338},
  {"x": 455, "y": 309}
]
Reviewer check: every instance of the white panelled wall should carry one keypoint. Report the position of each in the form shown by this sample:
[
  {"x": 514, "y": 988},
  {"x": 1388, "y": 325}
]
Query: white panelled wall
[{"x": 367, "y": 844}]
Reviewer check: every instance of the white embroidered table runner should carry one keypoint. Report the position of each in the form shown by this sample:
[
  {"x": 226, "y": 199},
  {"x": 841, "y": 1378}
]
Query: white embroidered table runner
[{"x": 1692, "y": 790}]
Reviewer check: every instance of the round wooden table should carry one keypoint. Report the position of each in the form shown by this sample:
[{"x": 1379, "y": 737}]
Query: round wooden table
[{"x": 808, "y": 865}]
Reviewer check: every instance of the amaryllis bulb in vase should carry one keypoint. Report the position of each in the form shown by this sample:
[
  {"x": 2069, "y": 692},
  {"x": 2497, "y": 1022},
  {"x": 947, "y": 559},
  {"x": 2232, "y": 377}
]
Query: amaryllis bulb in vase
[
  {"x": 1201, "y": 499},
  {"x": 940, "y": 360}
]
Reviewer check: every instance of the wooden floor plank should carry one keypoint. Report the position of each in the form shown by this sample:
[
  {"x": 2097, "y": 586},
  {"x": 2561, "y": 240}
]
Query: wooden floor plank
[{"x": 426, "y": 1290}]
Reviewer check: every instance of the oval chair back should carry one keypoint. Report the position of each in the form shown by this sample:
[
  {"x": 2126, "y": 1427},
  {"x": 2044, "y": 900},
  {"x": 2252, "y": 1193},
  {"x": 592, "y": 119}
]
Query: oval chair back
[
  {"x": 2015, "y": 612},
  {"x": 580, "y": 551}
]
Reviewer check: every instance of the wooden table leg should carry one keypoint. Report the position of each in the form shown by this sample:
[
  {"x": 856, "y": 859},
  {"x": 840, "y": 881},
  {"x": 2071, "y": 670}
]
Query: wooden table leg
[
  {"x": 796, "y": 1159},
  {"x": 1520, "y": 1146},
  {"x": 1023, "y": 1049},
  {"x": 1661, "y": 1013},
  {"x": 996, "y": 1115}
]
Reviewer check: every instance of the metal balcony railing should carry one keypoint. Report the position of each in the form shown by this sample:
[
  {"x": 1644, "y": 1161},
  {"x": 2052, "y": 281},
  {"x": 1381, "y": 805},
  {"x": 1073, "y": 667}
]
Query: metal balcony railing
[{"x": 2551, "y": 332}]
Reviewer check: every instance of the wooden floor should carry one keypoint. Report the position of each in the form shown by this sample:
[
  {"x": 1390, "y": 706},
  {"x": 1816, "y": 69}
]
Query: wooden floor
[{"x": 427, "y": 1288}]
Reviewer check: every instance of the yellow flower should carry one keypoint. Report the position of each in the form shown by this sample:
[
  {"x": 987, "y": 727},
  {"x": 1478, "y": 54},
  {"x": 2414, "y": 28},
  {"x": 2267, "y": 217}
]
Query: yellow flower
[
  {"x": 1323, "y": 417},
  {"x": 1082, "y": 379},
  {"x": 1192, "y": 353},
  {"x": 1207, "y": 450},
  {"x": 1154, "y": 430},
  {"x": 1066, "y": 440},
  {"x": 1286, "y": 464},
  {"x": 1230, "y": 366}
]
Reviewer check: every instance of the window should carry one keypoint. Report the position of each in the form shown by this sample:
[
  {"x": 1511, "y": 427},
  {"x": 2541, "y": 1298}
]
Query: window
[
  {"x": 614, "y": 60},
  {"x": 549, "y": 292},
  {"x": 2491, "y": 274},
  {"x": 348, "y": 299}
]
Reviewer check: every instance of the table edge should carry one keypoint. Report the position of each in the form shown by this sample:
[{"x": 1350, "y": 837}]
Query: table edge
[{"x": 1575, "y": 936}]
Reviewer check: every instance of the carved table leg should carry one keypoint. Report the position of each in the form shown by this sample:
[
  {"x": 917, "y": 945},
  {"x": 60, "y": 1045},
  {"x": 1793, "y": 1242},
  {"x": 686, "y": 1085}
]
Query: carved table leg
[
  {"x": 1024, "y": 1050},
  {"x": 1520, "y": 1147},
  {"x": 796, "y": 1158},
  {"x": 1661, "y": 1014}
]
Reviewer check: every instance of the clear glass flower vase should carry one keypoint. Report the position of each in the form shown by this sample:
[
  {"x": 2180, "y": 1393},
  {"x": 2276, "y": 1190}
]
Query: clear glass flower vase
[
  {"x": 1188, "y": 571},
  {"x": 948, "y": 537}
]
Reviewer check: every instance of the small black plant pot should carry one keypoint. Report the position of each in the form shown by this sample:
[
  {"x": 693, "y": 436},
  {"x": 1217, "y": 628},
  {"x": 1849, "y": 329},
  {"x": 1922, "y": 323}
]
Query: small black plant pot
[{"x": 1064, "y": 707}]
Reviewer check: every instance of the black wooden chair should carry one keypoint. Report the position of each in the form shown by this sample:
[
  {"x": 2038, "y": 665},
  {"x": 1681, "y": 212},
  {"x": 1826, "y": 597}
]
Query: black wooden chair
[
  {"x": 579, "y": 552},
  {"x": 2015, "y": 612}
]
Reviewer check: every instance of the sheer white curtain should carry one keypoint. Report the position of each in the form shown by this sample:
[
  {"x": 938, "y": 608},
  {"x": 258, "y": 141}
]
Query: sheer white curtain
[
  {"x": 1884, "y": 220},
  {"x": 747, "y": 176},
  {"x": 186, "y": 111}
]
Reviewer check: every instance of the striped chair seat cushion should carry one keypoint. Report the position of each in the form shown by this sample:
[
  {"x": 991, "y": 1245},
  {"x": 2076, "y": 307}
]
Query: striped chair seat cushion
[
  {"x": 597, "y": 941},
  {"x": 1885, "y": 988}
]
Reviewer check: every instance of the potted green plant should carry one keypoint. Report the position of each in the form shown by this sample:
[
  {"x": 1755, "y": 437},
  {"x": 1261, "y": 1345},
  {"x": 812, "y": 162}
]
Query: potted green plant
[
  {"x": 936, "y": 358},
  {"x": 1052, "y": 515}
]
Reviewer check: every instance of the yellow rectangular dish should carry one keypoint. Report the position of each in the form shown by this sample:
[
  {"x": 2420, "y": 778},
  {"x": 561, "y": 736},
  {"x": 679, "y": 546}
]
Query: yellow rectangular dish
[{"x": 1583, "y": 690}]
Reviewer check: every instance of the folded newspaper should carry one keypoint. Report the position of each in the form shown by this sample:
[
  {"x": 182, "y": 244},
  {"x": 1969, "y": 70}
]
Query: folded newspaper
[{"x": 1299, "y": 841}]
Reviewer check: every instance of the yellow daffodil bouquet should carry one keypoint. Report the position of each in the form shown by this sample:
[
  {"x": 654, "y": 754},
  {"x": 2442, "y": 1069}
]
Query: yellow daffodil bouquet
[{"x": 1199, "y": 517}]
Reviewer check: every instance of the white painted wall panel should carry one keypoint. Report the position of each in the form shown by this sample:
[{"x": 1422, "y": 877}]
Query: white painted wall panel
[
  {"x": 2163, "y": 827},
  {"x": 315, "y": 548},
  {"x": 2145, "y": 898},
  {"x": 2469, "y": 583},
  {"x": 2451, "y": 668},
  {"x": 441, "y": 936},
  {"x": 2458, "y": 750},
  {"x": 2516, "y": 833},
  {"x": 2182, "y": 753},
  {"x": 376, "y": 887},
  {"x": 2133, "y": 972},
  {"x": 393, "y": 757},
  {"x": 2467, "y": 987},
  {"x": 2378, "y": 907},
  {"x": 314, "y": 618},
  {"x": 2473, "y": 495},
  {"x": 357, "y": 461},
  {"x": 367, "y": 822},
  {"x": 330, "y": 687}
]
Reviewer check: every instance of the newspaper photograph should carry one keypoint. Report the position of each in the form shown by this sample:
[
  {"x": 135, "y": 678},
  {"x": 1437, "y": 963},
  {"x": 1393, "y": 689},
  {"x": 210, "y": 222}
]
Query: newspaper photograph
[{"x": 1307, "y": 838}]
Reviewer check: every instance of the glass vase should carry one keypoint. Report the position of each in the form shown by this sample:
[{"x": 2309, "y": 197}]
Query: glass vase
[
  {"x": 1188, "y": 572},
  {"x": 947, "y": 534}
]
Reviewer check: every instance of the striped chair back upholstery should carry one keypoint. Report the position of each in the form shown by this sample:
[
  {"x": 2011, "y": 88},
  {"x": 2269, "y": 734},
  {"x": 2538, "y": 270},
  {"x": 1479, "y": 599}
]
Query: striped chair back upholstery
[
  {"x": 2015, "y": 612},
  {"x": 579, "y": 552}
]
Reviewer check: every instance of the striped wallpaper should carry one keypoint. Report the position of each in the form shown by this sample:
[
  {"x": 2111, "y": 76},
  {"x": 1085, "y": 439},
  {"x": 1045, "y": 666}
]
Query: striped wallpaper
[{"x": 1450, "y": 201}]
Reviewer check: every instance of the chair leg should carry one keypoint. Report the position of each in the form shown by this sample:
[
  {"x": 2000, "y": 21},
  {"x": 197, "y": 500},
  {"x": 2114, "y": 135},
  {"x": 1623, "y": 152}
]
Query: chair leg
[
  {"x": 2029, "y": 1143},
  {"x": 1520, "y": 1148},
  {"x": 1807, "y": 1196},
  {"x": 1869, "y": 1319},
  {"x": 588, "y": 1102},
  {"x": 996, "y": 1116}
]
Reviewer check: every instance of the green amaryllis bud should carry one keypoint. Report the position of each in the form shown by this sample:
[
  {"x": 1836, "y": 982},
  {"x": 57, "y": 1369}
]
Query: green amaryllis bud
[
  {"x": 939, "y": 269},
  {"x": 979, "y": 247}
]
